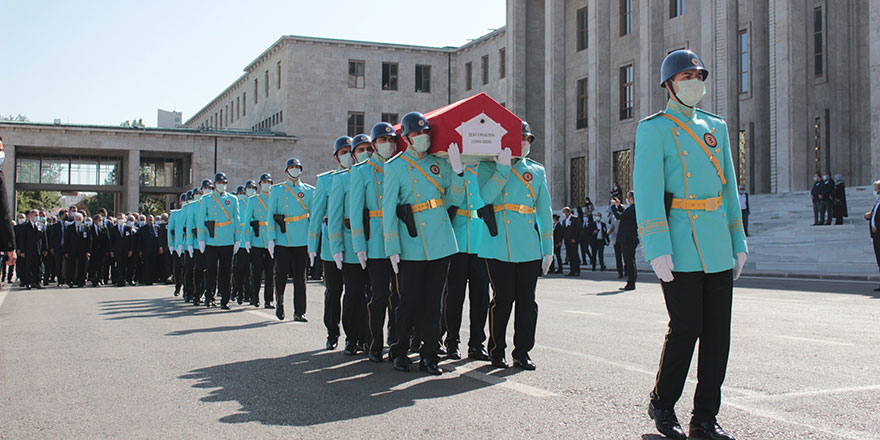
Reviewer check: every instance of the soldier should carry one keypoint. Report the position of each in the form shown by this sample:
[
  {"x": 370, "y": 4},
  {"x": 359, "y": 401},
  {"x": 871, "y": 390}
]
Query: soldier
[
  {"x": 366, "y": 234},
  {"x": 219, "y": 236},
  {"x": 289, "y": 208},
  {"x": 259, "y": 221},
  {"x": 517, "y": 200},
  {"x": 354, "y": 274},
  {"x": 176, "y": 249},
  {"x": 184, "y": 247},
  {"x": 332, "y": 275},
  {"x": 419, "y": 237},
  {"x": 691, "y": 228},
  {"x": 194, "y": 236},
  {"x": 242, "y": 259}
]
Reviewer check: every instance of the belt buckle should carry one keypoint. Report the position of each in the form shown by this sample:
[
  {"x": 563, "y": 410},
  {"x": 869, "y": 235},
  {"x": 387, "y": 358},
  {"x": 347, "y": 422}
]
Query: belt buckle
[
  {"x": 522, "y": 209},
  {"x": 434, "y": 203},
  {"x": 712, "y": 204}
]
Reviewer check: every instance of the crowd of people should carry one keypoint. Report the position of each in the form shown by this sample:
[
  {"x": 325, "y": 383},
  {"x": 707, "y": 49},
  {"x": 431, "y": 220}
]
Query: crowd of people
[{"x": 829, "y": 199}]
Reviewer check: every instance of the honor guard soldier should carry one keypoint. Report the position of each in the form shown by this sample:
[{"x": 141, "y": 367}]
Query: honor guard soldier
[
  {"x": 219, "y": 238},
  {"x": 366, "y": 234},
  {"x": 176, "y": 249},
  {"x": 260, "y": 222},
  {"x": 181, "y": 237},
  {"x": 419, "y": 237},
  {"x": 354, "y": 275},
  {"x": 516, "y": 252},
  {"x": 197, "y": 255},
  {"x": 289, "y": 206},
  {"x": 317, "y": 231},
  {"x": 691, "y": 229},
  {"x": 242, "y": 260}
]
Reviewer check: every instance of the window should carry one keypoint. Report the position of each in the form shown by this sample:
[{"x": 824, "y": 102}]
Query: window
[
  {"x": 55, "y": 171},
  {"x": 244, "y": 101},
  {"x": 390, "y": 118},
  {"x": 279, "y": 74},
  {"x": 577, "y": 173},
  {"x": 818, "y": 42},
  {"x": 226, "y": 121},
  {"x": 423, "y": 78},
  {"x": 64, "y": 170},
  {"x": 484, "y": 65},
  {"x": 626, "y": 92},
  {"x": 237, "y": 107},
  {"x": 355, "y": 123},
  {"x": 281, "y": 116},
  {"x": 161, "y": 172},
  {"x": 355, "y": 74},
  {"x": 502, "y": 62},
  {"x": 389, "y": 76},
  {"x": 582, "y": 103},
  {"x": 676, "y": 8},
  {"x": 743, "y": 61},
  {"x": 267, "y": 84},
  {"x": 468, "y": 75},
  {"x": 27, "y": 170},
  {"x": 221, "y": 118},
  {"x": 626, "y": 13},
  {"x": 256, "y": 90},
  {"x": 581, "y": 29}
]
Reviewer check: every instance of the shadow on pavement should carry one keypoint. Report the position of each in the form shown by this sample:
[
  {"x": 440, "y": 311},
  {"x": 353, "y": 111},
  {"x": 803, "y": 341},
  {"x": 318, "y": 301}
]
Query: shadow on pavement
[
  {"x": 318, "y": 387},
  {"x": 224, "y": 328},
  {"x": 653, "y": 437},
  {"x": 164, "y": 308}
]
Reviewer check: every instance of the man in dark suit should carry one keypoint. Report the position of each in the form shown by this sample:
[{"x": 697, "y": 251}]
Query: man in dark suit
[
  {"x": 826, "y": 190},
  {"x": 18, "y": 229},
  {"x": 628, "y": 239},
  {"x": 873, "y": 218},
  {"x": 571, "y": 232},
  {"x": 598, "y": 233},
  {"x": 814, "y": 196},
  {"x": 77, "y": 245},
  {"x": 55, "y": 235},
  {"x": 33, "y": 246},
  {"x": 121, "y": 248},
  {"x": 147, "y": 245},
  {"x": 7, "y": 236},
  {"x": 557, "y": 245},
  {"x": 614, "y": 212},
  {"x": 100, "y": 246}
]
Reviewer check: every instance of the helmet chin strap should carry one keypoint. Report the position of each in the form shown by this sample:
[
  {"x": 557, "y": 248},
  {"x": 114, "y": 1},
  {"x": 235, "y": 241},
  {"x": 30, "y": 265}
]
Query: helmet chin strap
[{"x": 672, "y": 90}]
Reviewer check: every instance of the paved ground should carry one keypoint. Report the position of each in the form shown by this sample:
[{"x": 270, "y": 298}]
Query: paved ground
[{"x": 138, "y": 363}]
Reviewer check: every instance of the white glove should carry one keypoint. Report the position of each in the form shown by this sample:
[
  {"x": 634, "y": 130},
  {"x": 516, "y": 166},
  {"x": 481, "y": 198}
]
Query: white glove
[
  {"x": 663, "y": 266},
  {"x": 337, "y": 257},
  {"x": 503, "y": 157},
  {"x": 545, "y": 265},
  {"x": 271, "y": 248},
  {"x": 738, "y": 267},
  {"x": 395, "y": 259},
  {"x": 179, "y": 250},
  {"x": 236, "y": 247},
  {"x": 362, "y": 258},
  {"x": 201, "y": 246},
  {"x": 247, "y": 246},
  {"x": 312, "y": 256},
  {"x": 455, "y": 158},
  {"x": 190, "y": 249}
]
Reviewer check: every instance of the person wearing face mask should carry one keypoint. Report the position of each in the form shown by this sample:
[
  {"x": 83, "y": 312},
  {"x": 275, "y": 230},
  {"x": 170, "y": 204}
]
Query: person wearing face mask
[
  {"x": 121, "y": 248},
  {"x": 76, "y": 249},
  {"x": 319, "y": 236},
  {"x": 219, "y": 238},
  {"x": 241, "y": 261},
  {"x": 147, "y": 246},
  {"x": 176, "y": 258},
  {"x": 134, "y": 261},
  {"x": 182, "y": 239},
  {"x": 259, "y": 222},
  {"x": 365, "y": 197},
  {"x": 55, "y": 234},
  {"x": 33, "y": 246},
  {"x": 7, "y": 234},
  {"x": 826, "y": 204},
  {"x": 339, "y": 228},
  {"x": 418, "y": 190},
  {"x": 163, "y": 259},
  {"x": 516, "y": 190},
  {"x": 690, "y": 225},
  {"x": 100, "y": 244},
  {"x": 290, "y": 205},
  {"x": 816, "y": 198},
  {"x": 194, "y": 236}
]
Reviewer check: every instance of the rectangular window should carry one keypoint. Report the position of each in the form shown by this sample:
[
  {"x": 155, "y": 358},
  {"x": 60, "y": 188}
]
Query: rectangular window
[
  {"x": 355, "y": 123},
  {"x": 389, "y": 76},
  {"x": 578, "y": 177},
  {"x": 221, "y": 118},
  {"x": 55, "y": 171},
  {"x": 226, "y": 121},
  {"x": 390, "y": 118},
  {"x": 161, "y": 172},
  {"x": 502, "y": 63},
  {"x": 582, "y": 103},
  {"x": 818, "y": 42},
  {"x": 237, "y": 108},
  {"x": 281, "y": 116},
  {"x": 355, "y": 74},
  {"x": 484, "y": 65},
  {"x": 468, "y": 75},
  {"x": 743, "y": 61},
  {"x": 676, "y": 8},
  {"x": 244, "y": 101},
  {"x": 626, "y": 92},
  {"x": 581, "y": 29},
  {"x": 27, "y": 170},
  {"x": 267, "y": 84},
  {"x": 256, "y": 90},
  {"x": 626, "y": 13},
  {"x": 423, "y": 78},
  {"x": 279, "y": 75}
]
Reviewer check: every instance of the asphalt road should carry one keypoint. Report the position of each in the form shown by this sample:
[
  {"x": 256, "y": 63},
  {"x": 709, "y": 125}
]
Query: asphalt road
[{"x": 138, "y": 363}]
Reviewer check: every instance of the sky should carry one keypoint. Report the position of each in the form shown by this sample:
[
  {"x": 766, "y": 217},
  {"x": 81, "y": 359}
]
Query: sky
[{"x": 105, "y": 62}]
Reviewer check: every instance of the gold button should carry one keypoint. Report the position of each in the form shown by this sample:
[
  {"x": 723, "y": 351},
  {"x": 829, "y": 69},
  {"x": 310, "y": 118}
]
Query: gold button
[
  {"x": 695, "y": 217},
  {"x": 506, "y": 194},
  {"x": 685, "y": 153},
  {"x": 528, "y": 196},
  {"x": 530, "y": 222},
  {"x": 418, "y": 195},
  {"x": 416, "y": 180},
  {"x": 723, "y": 214},
  {"x": 692, "y": 196},
  {"x": 689, "y": 174},
  {"x": 470, "y": 194},
  {"x": 470, "y": 206},
  {"x": 717, "y": 150},
  {"x": 423, "y": 223},
  {"x": 508, "y": 222},
  {"x": 380, "y": 197}
]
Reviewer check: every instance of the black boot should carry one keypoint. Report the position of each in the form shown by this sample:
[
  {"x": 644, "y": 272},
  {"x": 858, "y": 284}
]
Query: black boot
[{"x": 666, "y": 422}]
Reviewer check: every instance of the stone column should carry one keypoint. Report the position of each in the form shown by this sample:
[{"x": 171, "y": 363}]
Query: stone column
[
  {"x": 515, "y": 35},
  {"x": 131, "y": 189},
  {"x": 874, "y": 85},
  {"x": 554, "y": 99}
]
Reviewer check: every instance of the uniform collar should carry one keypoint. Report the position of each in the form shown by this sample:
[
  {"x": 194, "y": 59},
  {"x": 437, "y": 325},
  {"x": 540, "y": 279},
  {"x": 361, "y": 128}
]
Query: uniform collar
[{"x": 681, "y": 112}]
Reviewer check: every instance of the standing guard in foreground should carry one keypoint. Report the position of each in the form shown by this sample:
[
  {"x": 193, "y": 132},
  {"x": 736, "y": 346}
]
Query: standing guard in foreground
[
  {"x": 691, "y": 229},
  {"x": 260, "y": 222},
  {"x": 217, "y": 223}
]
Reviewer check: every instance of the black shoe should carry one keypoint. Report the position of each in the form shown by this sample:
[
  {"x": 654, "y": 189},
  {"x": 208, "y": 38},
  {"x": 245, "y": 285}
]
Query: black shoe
[
  {"x": 176, "y": 291},
  {"x": 453, "y": 352},
  {"x": 478, "y": 353},
  {"x": 267, "y": 306},
  {"x": 300, "y": 318},
  {"x": 628, "y": 287},
  {"x": 28, "y": 287},
  {"x": 708, "y": 429},
  {"x": 332, "y": 342},
  {"x": 877, "y": 289},
  {"x": 430, "y": 366},
  {"x": 441, "y": 350},
  {"x": 239, "y": 300},
  {"x": 525, "y": 363},
  {"x": 500, "y": 363},
  {"x": 224, "y": 307},
  {"x": 401, "y": 363},
  {"x": 210, "y": 303},
  {"x": 196, "y": 302},
  {"x": 350, "y": 348},
  {"x": 362, "y": 347},
  {"x": 376, "y": 357},
  {"x": 279, "y": 312},
  {"x": 666, "y": 422}
]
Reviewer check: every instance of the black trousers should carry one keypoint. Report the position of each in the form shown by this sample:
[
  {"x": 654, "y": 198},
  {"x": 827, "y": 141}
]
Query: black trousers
[
  {"x": 32, "y": 269},
  {"x": 383, "y": 285},
  {"x": 585, "y": 251},
  {"x": 825, "y": 211},
  {"x": 48, "y": 268},
  {"x": 699, "y": 308},
  {"x": 76, "y": 268},
  {"x": 597, "y": 252},
  {"x": 164, "y": 265},
  {"x": 355, "y": 319},
  {"x": 745, "y": 216},
  {"x": 96, "y": 263},
  {"x": 291, "y": 261},
  {"x": 59, "y": 267},
  {"x": 177, "y": 271},
  {"x": 875, "y": 238},
  {"x": 194, "y": 275},
  {"x": 219, "y": 265},
  {"x": 629, "y": 262},
  {"x": 466, "y": 271},
  {"x": 332, "y": 298},
  {"x": 262, "y": 265},
  {"x": 618, "y": 259},
  {"x": 421, "y": 288},
  {"x": 122, "y": 269},
  {"x": 574, "y": 262},
  {"x": 148, "y": 267},
  {"x": 241, "y": 278},
  {"x": 513, "y": 283},
  {"x": 557, "y": 264}
]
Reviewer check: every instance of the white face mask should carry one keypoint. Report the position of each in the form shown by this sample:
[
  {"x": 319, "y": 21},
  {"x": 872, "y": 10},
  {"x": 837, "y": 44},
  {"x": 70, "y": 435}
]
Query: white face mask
[
  {"x": 526, "y": 148},
  {"x": 691, "y": 91},
  {"x": 78, "y": 222},
  {"x": 363, "y": 155},
  {"x": 266, "y": 187},
  {"x": 421, "y": 143},
  {"x": 2, "y": 157},
  {"x": 250, "y": 192},
  {"x": 345, "y": 160},
  {"x": 21, "y": 221},
  {"x": 294, "y": 173},
  {"x": 220, "y": 188},
  {"x": 386, "y": 149}
]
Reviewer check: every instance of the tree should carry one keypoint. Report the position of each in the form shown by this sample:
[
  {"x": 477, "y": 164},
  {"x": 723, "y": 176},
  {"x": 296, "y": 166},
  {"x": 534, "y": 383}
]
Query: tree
[
  {"x": 19, "y": 118},
  {"x": 94, "y": 203},
  {"x": 39, "y": 200},
  {"x": 152, "y": 205}
]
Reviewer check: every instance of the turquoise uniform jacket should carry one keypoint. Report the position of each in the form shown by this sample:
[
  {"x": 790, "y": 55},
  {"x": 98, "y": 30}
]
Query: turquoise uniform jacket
[
  {"x": 318, "y": 214},
  {"x": 172, "y": 233},
  {"x": 258, "y": 210},
  {"x": 294, "y": 202},
  {"x": 468, "y": 227},
  {"x": 414, "y": 181},
  {"x": 244, "y": 230},
  {"x": 223, "y": 210},
  {"x": 366, "y": 193},
  {"x": 522, "y": 191},
  {"x": 669, "y": 160},
  {"x": 191, "y": 231},
  {"x": 338, "y": 214}
]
